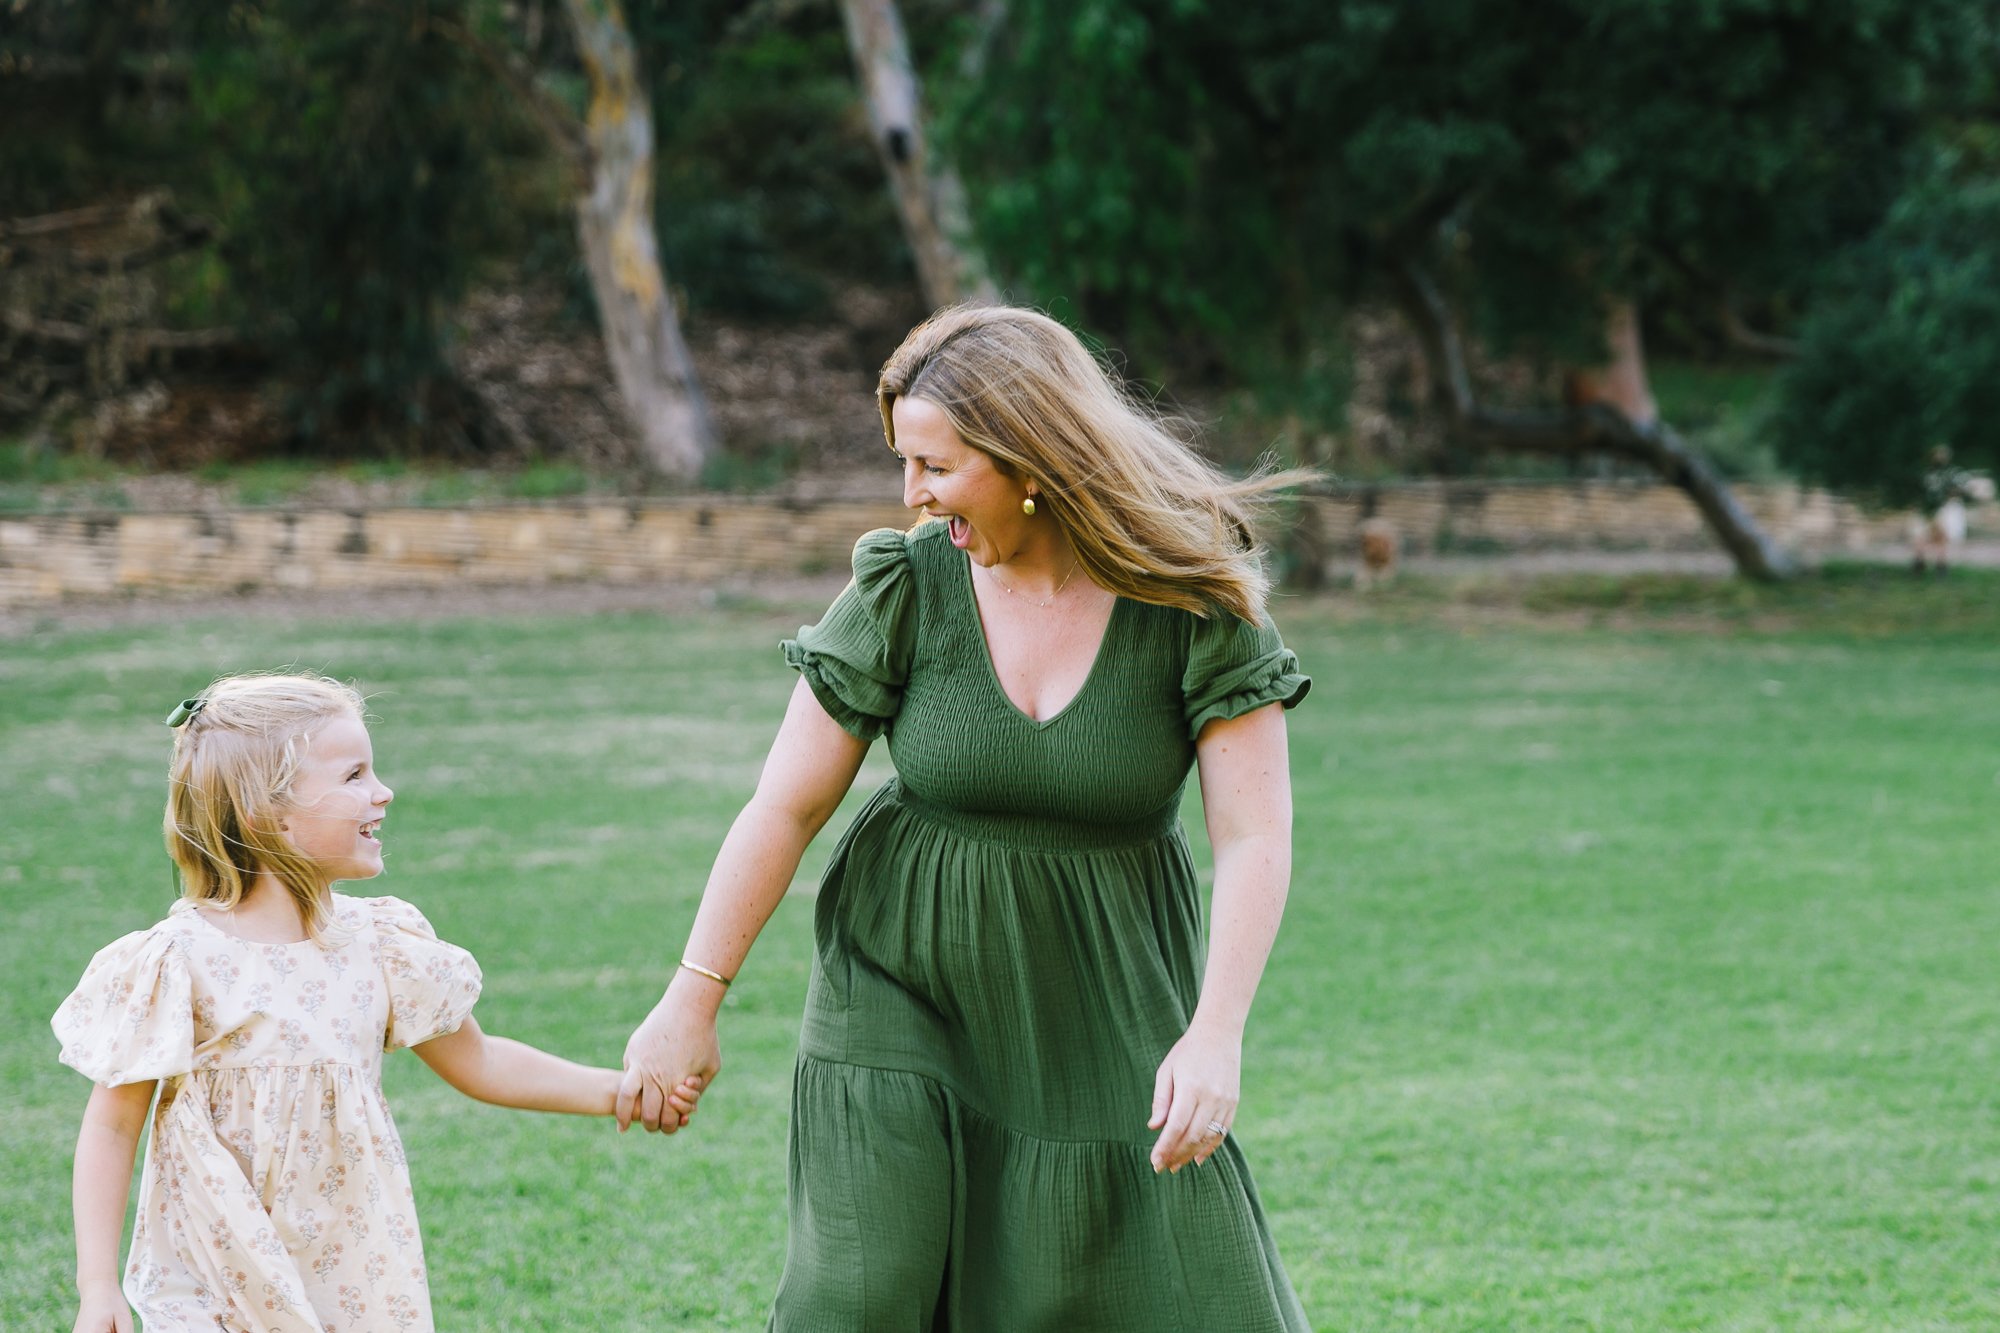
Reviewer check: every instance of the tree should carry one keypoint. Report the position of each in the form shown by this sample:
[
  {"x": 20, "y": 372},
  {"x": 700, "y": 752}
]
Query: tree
[
  {"x": 1506, "y": 173},
  {"x": 610, "y": 158},
  {"x": 766, "y": 163},
  {"x": 929, "y": 198},
  {"x": 615, "y": 226},
  {"x": 1901, "y": 352},
  {"x": 301, "y": 183},
  {"x": 348, "y": 175}
]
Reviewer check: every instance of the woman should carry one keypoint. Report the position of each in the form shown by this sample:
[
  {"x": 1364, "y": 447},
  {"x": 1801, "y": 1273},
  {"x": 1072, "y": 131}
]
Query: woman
[{"x": 1012, "y": 1047}]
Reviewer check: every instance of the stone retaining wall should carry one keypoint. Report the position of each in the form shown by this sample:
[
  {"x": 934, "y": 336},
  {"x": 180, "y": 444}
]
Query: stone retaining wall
[
  {"x": 45, "y": 557},
  {"x": 1474, "y": 517}
]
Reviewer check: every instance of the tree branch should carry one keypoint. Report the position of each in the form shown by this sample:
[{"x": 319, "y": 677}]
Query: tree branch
[
  {"x": 180, "y": 233},
  {"x": 557, "y": 120},
  {"x": 145, "y": 342},
  {"x": 1578, "y": 432},
  {"x": 1742, "y": 335},
  {"x": 1435, "y": 329},
  {"x": 94, "y": 215},
  {"x": 1734, "y": 330}
]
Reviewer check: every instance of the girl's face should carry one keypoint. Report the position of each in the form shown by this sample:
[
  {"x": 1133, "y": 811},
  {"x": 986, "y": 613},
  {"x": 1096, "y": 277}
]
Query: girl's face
[
  {"x": 337, "y": 802},
  {"x": 949, "y": 479}
]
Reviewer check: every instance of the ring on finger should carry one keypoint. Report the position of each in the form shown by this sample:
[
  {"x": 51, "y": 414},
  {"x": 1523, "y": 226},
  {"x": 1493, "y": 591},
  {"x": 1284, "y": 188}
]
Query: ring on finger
[{"x": 1218, "y": 1129}]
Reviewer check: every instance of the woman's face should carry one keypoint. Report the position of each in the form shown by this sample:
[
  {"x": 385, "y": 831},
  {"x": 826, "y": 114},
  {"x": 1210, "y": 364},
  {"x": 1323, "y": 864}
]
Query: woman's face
[{"x": 948, "y": 479}]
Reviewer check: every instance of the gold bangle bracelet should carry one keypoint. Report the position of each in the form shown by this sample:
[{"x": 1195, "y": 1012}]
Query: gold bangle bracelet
[{"x": 697, "y": 967}]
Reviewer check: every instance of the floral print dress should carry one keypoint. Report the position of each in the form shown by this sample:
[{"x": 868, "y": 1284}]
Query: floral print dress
[{"x": 275, "y": 1197}]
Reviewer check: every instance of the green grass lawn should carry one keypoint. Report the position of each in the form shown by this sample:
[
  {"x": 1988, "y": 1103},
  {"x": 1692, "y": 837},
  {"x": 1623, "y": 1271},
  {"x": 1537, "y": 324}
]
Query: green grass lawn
[{"x": 1639, "y": 972}]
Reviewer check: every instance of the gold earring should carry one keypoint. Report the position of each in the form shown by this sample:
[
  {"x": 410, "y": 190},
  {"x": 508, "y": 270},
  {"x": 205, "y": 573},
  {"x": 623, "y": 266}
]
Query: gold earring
[{"x": 1028, "y": 506}]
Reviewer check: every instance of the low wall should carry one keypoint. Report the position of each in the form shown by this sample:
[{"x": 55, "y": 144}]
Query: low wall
[
  {"x": 50, "y": 556},
  {"x": 46, "y": 557},
  {"x": 1474, "y": 517}
]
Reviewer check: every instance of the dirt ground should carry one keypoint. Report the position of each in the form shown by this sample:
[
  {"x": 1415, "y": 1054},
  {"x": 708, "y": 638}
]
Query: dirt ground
[{"x": 1466, "y": 583}]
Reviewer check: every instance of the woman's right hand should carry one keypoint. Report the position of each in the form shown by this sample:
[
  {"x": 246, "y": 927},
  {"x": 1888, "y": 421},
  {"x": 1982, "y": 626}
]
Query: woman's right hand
[
  {"x": 673, "y": 1051},
  {"x": 103, "y": 1310}
]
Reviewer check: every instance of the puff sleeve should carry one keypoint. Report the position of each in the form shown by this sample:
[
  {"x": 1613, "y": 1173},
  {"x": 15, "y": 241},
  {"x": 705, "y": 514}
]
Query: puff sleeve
[
  {"x": 432, "y": 985},
  {"x": 131, "y": 1018},
  {"x": 858, "y": 656},
  {"x": 1235, "y": 667}
]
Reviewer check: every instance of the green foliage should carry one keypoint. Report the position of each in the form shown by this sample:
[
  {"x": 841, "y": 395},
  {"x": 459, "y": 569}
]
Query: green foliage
[
  {"x": 547, "y": 481},
  {"x": 751, "y": 468},
  {"x": 79, "y": 81},
  {"x": 352, "y": 181},
  {"x": 1235, "y": 171},
  {"x": 34, "y": 475},
  {"x": 30, "y": 461},
  {"x": 1210, "y": 187},
  {"x": 1113, "y": 173},
  {"x": 1901, "y": 351},
  {"x": 272, "y": 481},
  {"x": 769, "y": 190},
  {"x": 362, "y": 167},
  {"x": 1722, "y": 409}
]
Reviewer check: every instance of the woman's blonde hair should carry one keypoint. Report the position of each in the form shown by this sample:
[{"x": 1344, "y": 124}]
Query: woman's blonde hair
[
  {"x": 230, "y": 785},
  {"x": 1147, "y": 517}
]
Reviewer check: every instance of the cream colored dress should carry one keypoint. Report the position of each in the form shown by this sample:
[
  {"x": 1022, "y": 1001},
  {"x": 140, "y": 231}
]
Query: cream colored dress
[{"x": 275, "y": 1196}]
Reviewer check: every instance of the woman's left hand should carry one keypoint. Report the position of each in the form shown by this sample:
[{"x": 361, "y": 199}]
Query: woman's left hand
[{"x": 1198, "y": 1086}]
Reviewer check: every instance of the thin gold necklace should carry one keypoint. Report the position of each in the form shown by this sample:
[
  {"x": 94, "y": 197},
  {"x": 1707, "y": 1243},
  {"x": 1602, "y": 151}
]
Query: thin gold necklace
[{"x": 1073, "y": 567}]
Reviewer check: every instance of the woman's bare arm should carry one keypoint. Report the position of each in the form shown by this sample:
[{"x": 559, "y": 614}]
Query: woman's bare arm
[
  {"x": 1246, "y": 795},
  {"x": 811, "y": 765}
]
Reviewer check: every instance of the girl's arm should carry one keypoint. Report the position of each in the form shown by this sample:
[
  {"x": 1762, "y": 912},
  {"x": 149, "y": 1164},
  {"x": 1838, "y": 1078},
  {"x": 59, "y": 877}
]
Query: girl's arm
[
  {"x": 113, "y": 1120},
  {"x": 504, "y": 1072},
  {"x": 1246, "y": 796},
  {"x": 811, "y": 765}
]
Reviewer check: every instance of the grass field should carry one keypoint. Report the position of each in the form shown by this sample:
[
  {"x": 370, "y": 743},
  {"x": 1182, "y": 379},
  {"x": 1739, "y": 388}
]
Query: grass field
[{"x": 1639, "y": 972}]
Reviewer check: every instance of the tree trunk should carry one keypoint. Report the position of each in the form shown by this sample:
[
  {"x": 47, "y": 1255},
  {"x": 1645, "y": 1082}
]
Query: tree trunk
[
  {"x": 614, "y": 216},
  {"x": 1621, "y": 383},
  {"x": 1589, "y": 428},
  {"x": 928, "y": 195}
]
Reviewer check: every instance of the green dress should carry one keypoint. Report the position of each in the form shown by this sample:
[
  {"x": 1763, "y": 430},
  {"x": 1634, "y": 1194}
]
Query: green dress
[{"x": 1008, "y": 941}]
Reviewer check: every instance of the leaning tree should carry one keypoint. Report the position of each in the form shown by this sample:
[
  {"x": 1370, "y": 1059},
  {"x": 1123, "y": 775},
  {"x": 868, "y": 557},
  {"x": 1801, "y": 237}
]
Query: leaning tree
[
  {"x": 608, "y": 152},
  {"x": 1514, "y": 176},
  {"x": 930, "y": 201}
]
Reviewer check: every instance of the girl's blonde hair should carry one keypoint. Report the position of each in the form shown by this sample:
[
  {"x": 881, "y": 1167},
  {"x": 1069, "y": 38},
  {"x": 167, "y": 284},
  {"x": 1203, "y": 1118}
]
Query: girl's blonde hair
[
  {"x": 1147, "y": 517},
  {"x": 230, "y": 784}
]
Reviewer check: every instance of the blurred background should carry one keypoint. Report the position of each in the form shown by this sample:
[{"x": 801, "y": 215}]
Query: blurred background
[{"x": 406, "y": 249}]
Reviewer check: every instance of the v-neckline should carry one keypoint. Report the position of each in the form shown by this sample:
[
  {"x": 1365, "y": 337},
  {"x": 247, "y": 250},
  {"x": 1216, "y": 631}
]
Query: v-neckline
[{"x": 993, "y": 672}]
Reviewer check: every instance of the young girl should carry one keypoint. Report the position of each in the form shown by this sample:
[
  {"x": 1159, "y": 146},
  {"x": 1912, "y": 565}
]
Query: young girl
[{"x": 275, "y": 1196}]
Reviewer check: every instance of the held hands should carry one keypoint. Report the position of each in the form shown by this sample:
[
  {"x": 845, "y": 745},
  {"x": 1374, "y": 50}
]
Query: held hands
[
  {"x": 103, "y": 1310},
  {"x": 1197, "y": 1089},
  {"x": 671, "y": 1059}
]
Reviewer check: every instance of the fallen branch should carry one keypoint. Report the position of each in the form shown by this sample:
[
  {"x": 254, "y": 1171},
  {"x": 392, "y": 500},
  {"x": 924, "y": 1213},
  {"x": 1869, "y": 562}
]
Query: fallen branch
[
  {"x": 95, "y": 215},
  {"x": 142, "y": 344},
  {"x": 178, "y": 233}
]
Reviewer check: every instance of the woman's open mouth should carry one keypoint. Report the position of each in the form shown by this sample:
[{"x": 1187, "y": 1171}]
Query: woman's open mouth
[{"x": 961, "y": 531}]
